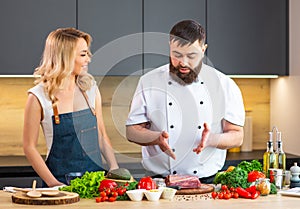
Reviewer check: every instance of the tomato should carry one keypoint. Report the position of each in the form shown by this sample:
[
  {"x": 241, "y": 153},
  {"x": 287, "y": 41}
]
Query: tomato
[
  {"x": 235, "y": 195},
  {"x": 107, "y": 184},
  {"x": 102, "y": 194},
  {"x": 112, "y": 199},
  {"x": 108, "y": 191},
  {"x": 114, "y": 194},
  {"x": 254, "y": 175},
  {"x": 220, "y": 195},
  {"x": 121, "y": 191},
  {"x": 147, "y": 183},
  {"x": 227, "y": 196},
  {"x": 98, "y": 199},
  {"x": 214, "y": 195},
  {"x": 224, "y": 187}
]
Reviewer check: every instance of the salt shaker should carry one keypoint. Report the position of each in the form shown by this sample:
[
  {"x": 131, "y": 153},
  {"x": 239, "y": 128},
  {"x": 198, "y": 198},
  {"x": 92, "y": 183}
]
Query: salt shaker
[{"x": 295, "y": 172}]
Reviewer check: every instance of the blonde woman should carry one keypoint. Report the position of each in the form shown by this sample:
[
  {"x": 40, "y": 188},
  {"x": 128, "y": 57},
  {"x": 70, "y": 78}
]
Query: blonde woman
[{"x": 66, "y": 102}]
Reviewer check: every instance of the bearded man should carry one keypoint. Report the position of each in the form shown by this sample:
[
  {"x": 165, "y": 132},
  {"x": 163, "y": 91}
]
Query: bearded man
[{"x": 186, "y": 114}]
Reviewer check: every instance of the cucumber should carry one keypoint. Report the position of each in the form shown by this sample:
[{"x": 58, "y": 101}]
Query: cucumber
[{"x": 119, "y": 173}]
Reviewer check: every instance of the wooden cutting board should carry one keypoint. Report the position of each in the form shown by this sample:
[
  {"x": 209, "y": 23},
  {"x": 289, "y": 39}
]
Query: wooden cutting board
[
  {"x": 61, "y": 198},
  {"x": 205, "y": 188}
]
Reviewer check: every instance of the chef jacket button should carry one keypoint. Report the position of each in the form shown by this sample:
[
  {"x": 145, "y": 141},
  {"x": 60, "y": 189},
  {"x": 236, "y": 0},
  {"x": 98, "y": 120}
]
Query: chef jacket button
[
  {"x": 202, "y": 82},
  {"x": 173, "y": 150},
  {"x": 170, "y": 82},
  {"x": 201, "y": 102},
  {"x": 170, "y": 103},
  {"x": 174, "y": 172},
  {"x": 199, "y": 127},
  {"x": 171, "y": 126},
  {"x": 195, "y": 172}
]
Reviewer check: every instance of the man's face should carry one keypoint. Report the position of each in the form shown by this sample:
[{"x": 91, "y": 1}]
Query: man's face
[{"x": 186, "y": 61}]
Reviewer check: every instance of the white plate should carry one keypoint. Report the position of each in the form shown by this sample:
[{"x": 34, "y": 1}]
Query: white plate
[{"x": 291, "y": 192}]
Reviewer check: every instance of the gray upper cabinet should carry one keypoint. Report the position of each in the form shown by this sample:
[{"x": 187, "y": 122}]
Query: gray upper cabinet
[
  {"x": 116, "y": 28},
  {"x": 24, "y": 28},
  {"x": 244, "y": 37},
  {"x": 159, "y": 18},
  {"x": 248, "y": 37}
]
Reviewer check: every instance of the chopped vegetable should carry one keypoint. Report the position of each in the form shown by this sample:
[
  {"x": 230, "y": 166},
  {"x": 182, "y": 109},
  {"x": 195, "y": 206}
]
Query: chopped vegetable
[{"x": 86, "y": 186}]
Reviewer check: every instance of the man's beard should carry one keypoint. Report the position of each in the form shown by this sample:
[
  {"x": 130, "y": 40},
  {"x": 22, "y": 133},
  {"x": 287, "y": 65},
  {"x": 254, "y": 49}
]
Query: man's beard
[{"x": 185, "y": 79}]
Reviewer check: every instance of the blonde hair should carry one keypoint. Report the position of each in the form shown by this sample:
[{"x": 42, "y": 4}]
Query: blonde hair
[{"x": 58, "y": 60}]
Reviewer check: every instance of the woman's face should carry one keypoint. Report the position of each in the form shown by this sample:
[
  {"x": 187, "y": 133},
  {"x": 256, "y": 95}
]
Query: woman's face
[{"x": 82, "y": 57}]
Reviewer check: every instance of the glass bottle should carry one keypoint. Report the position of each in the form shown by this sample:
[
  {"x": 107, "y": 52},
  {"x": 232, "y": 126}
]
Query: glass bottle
[
  {"x": 269, "y": 158},
  {"x": 280, "y": 155}
]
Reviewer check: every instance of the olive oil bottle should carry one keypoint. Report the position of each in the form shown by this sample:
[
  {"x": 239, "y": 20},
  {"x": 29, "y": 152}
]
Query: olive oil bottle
[
  {"x": 280, "y": 155},
  {"x": 269, "y": 157}
]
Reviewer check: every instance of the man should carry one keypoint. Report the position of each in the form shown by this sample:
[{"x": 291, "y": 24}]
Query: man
[{"x": 186, "y": 114}]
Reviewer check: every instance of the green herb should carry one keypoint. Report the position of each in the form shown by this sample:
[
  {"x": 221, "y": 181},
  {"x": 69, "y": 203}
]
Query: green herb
[
  {"x": 238, "y": 177},
  {"x": 235, "y": 178},
  {"x": 250, "y": 166},
  {"x": 86, "y": 186},
  {"x": 273, "y": 189}
]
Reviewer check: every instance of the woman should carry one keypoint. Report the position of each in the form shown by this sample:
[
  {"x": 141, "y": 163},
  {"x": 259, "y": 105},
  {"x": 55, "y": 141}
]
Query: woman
[{"x": 66, "y": 102}]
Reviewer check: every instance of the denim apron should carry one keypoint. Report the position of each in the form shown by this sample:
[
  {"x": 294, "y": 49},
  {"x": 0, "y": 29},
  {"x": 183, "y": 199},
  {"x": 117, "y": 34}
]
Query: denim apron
[{"x": 75, "y": 146}]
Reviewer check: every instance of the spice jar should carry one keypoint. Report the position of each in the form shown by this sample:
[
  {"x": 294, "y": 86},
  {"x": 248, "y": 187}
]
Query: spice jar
[{"x": 263, "y": 185}]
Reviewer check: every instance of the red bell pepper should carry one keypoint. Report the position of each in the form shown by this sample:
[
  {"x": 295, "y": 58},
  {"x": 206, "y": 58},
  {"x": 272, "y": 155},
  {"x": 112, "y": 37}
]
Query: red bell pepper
[
  {"x": 251, "y": 189},
  {"x": 254, "y": 175},
  {"x": 255, "y": 194},
  {"x": 147, "y": 183},
  {"x": 243, "y": 193},
  {"x": 107, "y": 184}
]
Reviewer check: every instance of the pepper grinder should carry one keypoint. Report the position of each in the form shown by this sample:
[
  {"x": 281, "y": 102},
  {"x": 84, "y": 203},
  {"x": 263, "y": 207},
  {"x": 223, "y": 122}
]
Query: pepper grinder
[{"x": 295, "y": 172}]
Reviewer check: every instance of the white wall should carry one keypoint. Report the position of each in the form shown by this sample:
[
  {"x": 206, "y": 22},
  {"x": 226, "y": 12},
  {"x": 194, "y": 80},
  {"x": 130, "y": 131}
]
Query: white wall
[{"x": 285, "y": 91}]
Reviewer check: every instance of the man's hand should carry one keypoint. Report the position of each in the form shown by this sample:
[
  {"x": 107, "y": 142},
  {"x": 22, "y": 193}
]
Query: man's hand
[
  {"x": 203, "y": 143},
  {"x": 163, "y": 144}
]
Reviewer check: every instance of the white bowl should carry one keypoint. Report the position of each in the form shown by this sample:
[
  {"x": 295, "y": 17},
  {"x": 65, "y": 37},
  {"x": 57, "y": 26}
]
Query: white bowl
[
  {"x": 153, "y": 194},
  {"x": 168, "y": 193},
  {"x": 136, "y": 194}
]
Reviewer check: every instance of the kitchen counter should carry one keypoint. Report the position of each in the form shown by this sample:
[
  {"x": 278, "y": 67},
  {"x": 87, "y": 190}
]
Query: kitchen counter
[{"x": 270, "y": 201}]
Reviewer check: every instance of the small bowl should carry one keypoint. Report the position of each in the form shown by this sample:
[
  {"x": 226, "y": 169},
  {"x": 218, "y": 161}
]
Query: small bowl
[
  {"x": 153, "y": 194},
  {"x": 168, "y": 193},
  {"x": 136, "y": 194},
  {"x": 73, "y": 175}
]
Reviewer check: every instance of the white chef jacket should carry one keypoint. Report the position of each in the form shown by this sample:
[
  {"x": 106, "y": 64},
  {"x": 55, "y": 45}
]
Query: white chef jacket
[{"x": 182, "y": 111}]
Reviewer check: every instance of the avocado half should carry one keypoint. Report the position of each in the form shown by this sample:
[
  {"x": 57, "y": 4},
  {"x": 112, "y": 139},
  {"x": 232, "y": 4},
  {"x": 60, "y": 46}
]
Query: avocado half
[{"x": 119, "y": 173}]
